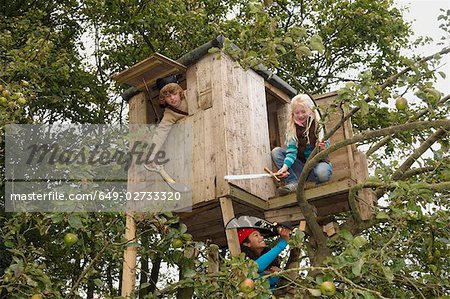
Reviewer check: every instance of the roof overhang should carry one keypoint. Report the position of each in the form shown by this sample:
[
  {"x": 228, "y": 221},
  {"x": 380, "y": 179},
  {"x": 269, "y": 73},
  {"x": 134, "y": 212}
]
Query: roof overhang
[{"x": 145, "y": 73}]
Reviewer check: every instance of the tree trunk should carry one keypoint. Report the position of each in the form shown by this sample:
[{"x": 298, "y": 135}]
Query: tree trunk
[
  {"x": 154, "y": 275},
  {"x": 144, "y": 269}
]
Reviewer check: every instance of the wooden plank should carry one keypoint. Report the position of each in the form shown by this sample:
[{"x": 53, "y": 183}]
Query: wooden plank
[
  {"x": 150, "y": 69},
  {"x": 204, "y": 78},
  {"x": 277, "y": 93},
  {"x": 241, "y": 194},
  {"x": 218, "y": 119},
  {"x": 331, "y": 229},
  {"x": 129, "y": 260},
  {"x": 366, "y": 197},
  {"x": 138, "y": 109},
  {"x": 191, "y": 91},
  {"x": 311, "y": 194},
  {"x": 226, "y": 204},
  {"x": 199, "y": 145},
  {"x": 283, "y": 116},
  {"x": 210, "y": 153}
]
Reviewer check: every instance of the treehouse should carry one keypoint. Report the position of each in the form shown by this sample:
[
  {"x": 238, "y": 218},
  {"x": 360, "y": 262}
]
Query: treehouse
[{"x": 237, "y": 117}]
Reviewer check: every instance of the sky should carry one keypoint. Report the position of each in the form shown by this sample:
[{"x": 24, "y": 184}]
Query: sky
[{"x": 423, "y": 15}]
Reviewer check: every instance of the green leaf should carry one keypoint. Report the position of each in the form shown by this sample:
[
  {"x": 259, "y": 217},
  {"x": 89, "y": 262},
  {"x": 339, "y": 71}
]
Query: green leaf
[
  {"x": 288, "y": 40},
  {"x": 98, "y": 282},
  {"x": 75, "y": 221},
  {"x": 382, "y": 215},
  {"x": 356, "y": 268},
  {"x": 388, "y": 274},
  {"x": 346, "y": 234},
  {"x": 189, "y": 273},
  {"x": 57, "y": 217},
  {"x": 213, "y": 50},
  {"x": 303, "y": 51},
  {"x": 298, "y": 32},
  {"x": 183, "y": 228},
  {"x": 443, "y": 75},
  {"x": 359, "y": 241},
  {"x": 315, "y": 292}
]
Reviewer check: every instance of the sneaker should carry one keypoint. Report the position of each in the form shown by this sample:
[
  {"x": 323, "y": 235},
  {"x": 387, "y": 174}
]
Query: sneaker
[{"x": 289, "y": 188}]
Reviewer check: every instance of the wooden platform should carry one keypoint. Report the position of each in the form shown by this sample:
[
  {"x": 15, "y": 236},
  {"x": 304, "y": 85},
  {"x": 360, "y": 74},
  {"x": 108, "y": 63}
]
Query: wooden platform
[{"x": 205, "y": 221}]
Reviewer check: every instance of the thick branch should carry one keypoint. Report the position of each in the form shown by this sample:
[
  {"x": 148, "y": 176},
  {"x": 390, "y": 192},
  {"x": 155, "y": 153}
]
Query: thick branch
[
  {"x": 417, "y": 153},
  {"x": 418, "y": 115},
  {"x": 416, "y": 171}
]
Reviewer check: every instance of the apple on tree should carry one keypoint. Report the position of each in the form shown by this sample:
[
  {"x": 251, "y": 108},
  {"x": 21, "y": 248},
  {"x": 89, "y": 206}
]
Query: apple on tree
[
  {"x": 401, "y": 103},
  {"x": 177, "y": 243},
  {"x": 247, "y": 285},
  {"x": 70, "y": 239},
  {"x": 328, "y": 288}
]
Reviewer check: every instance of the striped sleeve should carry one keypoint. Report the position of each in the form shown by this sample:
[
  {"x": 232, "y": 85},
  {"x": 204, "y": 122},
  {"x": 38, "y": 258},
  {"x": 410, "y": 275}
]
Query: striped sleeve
[{"x": 291, "y": 152}]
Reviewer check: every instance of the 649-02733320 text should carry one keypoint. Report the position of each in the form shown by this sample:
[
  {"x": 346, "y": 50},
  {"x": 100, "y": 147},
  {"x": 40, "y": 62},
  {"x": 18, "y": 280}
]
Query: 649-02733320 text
[{"x": 97, "y": 195}]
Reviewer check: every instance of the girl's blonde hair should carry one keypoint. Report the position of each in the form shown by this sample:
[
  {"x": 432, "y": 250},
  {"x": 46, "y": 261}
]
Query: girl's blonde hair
[
  {"x": 169, "y": 89},
  {"x": 301, "y": 100}
]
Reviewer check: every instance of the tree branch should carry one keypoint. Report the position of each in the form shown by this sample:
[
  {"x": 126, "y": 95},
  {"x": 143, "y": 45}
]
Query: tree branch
[
  {"x": 418, "y": 115},
  {"x": 417, "y": 153}
]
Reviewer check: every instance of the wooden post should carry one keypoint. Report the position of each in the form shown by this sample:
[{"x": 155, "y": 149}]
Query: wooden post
[
  {"x": 129, "y": 259},
  {"x": 226, "y": 204}
]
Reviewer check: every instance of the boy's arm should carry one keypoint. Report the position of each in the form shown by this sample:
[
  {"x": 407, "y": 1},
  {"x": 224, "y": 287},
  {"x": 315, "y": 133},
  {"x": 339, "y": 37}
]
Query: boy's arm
[
  {"x": 162, "y": 131},
  {"x": 266, "y": 259}
]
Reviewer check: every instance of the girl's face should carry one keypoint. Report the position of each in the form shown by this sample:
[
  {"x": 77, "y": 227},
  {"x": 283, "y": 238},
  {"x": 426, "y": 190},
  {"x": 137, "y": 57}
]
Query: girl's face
[
  {"x": 173, "y": 99},
  {"x": 256, "y": 242},
  {"x": 301, "y": 114}
]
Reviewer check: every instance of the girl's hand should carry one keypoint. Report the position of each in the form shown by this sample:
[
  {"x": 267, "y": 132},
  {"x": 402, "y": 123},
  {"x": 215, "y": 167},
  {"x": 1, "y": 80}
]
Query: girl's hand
[
  {"x": 274, "y": 269},
  {"x": 284, "y": 233},
  {"x": 322, "y": 146},
  {"x": 282, "y": 172}
]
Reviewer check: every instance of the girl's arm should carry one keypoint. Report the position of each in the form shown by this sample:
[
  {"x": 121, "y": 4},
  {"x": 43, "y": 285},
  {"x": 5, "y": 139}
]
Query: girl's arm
[
  {"x": 266, "y": 259},
  {"x": 291, "y": 152}
]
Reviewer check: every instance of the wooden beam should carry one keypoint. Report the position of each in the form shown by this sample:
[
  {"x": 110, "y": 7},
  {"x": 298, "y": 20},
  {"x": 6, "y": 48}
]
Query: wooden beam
[
  {"x": 246, "y": 197},
  {"x": 226, "y": 204},
  {"x": 129, "y": 259},
  {"x": 321, "y": 191},
  {"x": 277, "y": 93}
]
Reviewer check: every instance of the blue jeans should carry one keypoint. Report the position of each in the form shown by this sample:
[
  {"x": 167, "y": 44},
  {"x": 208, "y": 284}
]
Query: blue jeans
[{"x": 321, "y": 173}]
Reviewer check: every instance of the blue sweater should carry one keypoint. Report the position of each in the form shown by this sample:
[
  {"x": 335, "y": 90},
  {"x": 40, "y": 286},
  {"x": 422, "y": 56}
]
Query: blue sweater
[{"x": 267, "y": 258}]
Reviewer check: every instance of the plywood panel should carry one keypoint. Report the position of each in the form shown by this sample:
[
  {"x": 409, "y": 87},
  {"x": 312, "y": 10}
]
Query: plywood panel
[{"x": 191, "y": 91}]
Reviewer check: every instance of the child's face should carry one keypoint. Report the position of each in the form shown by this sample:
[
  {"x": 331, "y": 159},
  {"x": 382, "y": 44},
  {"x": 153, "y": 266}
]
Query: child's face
[
  {"x": 301, "y": 113},
  {"x": 256, "y": 241},
  {"x": 173, "y": 99}
]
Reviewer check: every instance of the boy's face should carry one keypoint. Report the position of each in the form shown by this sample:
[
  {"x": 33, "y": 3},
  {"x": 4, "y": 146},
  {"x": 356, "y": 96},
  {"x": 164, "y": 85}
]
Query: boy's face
[{"x": 173, "y": 99}]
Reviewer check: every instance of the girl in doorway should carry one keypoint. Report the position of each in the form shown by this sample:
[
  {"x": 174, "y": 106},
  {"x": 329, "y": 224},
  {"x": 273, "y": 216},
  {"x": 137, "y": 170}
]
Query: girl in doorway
[{"x": 301, "y": 140}]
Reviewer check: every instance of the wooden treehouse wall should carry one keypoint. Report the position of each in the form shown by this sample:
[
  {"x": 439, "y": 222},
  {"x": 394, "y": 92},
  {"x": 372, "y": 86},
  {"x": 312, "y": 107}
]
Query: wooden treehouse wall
[{"x": 228, "y": 113}]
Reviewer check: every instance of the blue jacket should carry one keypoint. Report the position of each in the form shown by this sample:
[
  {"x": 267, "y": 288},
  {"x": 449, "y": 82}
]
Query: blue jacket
[{"x": 267, "y": 258}]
